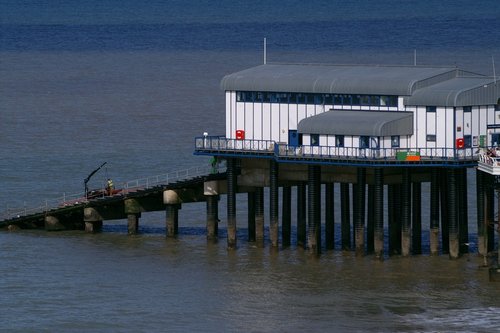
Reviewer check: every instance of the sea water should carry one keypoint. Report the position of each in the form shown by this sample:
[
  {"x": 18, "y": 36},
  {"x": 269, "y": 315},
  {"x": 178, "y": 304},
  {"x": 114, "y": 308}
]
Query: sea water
[{"x": 131, "y": 84}]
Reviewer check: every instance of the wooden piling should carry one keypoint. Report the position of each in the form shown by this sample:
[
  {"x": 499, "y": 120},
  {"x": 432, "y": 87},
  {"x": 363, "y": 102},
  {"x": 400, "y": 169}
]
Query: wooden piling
[
  {"x": 273, "y": 204},
  {"x": 329, "y": 216},
  {"x": 301, "y": 215},
  {"x": 345, "y": 216},
  {"x": 286, "y": 223}
]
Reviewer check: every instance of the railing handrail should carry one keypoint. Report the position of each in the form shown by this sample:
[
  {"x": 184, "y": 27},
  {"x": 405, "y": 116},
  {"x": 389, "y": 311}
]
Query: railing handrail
[{"x": 125, "y": 187}]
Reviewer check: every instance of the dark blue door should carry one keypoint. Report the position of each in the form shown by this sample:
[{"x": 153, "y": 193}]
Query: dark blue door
[{"x": 293, "y": 138}]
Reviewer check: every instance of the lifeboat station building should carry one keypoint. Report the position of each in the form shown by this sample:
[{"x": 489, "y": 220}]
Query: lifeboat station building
[{"x": 370, "y": 130}]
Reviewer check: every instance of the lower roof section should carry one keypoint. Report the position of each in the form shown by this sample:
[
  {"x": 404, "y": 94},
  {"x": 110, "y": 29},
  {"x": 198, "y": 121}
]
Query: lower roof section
[{"x": 362, "y": 123}]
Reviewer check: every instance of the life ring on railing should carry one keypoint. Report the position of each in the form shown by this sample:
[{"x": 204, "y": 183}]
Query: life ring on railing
[{"x": 460, "y": 143}]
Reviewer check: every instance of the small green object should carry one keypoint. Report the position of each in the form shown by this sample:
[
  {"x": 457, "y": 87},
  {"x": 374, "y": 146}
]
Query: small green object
[{"x": 401, "y": 155}]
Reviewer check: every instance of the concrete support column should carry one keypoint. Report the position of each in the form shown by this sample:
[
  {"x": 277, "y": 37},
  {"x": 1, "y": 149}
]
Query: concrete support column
[
  {"x": 133, "y": 211},
  {"x": 434, "y": 215},
  {"x": 463, "y": 220},
  {"x": 171, "y": 220},
  {"x": 445, "y": 231},
  {"x": 490, "y": 212},
  {"x": 212, "y": 217},
  {"x": 452, "y": 215},
  {"x": 481, "y": 213},
  {"x": 92, "y": 219},
  {"x": 251, "y": 216},
  {"x": 273, "y": 203},
  {"x": 345, "y": 216},
  {"x": 286, "y": 224},
  {"x": 378, "y": 212},
  {"x": 406, "y": 213},
  {"x": 301, "y": 216},
  {"x": 314, "y": 209},
  {"x": 359, "y": 212},
  {"x": 231, "y": 203},
  {"x": 394, "y": 213},
  {"x": 259, "y": 216},
  {"x": 416, "y": 218},
  {"x": 329, "y": 216},
  {"x": 52, "y": 223},
  {"x": 370, "y": 220},
  {"x": 133, "y": 223}
]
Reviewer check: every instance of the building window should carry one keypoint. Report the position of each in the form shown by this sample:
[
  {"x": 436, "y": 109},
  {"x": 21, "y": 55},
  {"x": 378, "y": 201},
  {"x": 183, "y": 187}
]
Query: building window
[
  {"x": 431, "y": 138},
  {"x": 314, "y": 139},
  {"x": 467, "y": 108},
  {"x": 395, "y": 141},
  {"x": 497, "y": 106},
  {"x": 467, "y": 141},
  {"x": 430, "y": 109},
  {"x": 339, "y": 140},
  {"x": 365, "y": 100},
  {"x": 364, "y": 142}
]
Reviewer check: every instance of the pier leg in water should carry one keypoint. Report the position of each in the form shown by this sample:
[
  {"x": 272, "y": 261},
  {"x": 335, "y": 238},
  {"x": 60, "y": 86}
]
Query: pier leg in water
[
  {"x": 286, "y": 223},
  {"x": 212, "y": 220},
  {"x": 92, "y": 219},
  {"x": 133, "y": 223},
  {"x": 314, "y": 209},
  {"x": 133, "y": 211},
  {"x": 359, "y": 222},
  {"x": 405, "y": 213},
  {"x": 490, "y": 215},
  {"x": 370, "y": 221},
  {"x": 463, "y": 227},
  {"x": 345, "y": 216},
  {"x": 452, "y": 215},
  {"x": 445, "y": 231},
  {"x": 259, "y": 216},
  {"x": 52, "y": 223},
  {"x": 434, "y": 215},
  {"x": 378, "y": 203},
  {"x": 329, "y": 216},
  {"x": 273, "y": 204},
  {"x": 301, "y": 215},
  {"x": 251, "y": 216},
  {"x": 171, "y": 213},
  {"x": 481, "y": 209},
  {"x": 231, "y": 203},
  {"x": 416, "y": 218}
]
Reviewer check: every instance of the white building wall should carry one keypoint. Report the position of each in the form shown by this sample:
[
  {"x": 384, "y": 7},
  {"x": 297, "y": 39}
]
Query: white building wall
[
  {"x": 275, "y": 120},
  {"x": 266, "y": 120},
  {"x": 284, "y": 122},
  {"x": 229, "y": 113}
]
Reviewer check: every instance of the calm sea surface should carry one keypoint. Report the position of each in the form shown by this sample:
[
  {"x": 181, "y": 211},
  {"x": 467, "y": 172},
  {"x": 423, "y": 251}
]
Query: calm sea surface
[{"x": 132, "y": 84}]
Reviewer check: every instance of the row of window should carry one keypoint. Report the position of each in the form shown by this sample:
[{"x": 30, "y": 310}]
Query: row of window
[
  {"x": 364, "y": 141},
  {"x": 317, "y": 99}
]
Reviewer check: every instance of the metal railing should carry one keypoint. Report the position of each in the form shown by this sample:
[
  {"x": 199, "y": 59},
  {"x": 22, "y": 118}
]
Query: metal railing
[
  {"x": 68, "y": 200},
  {"x": 222, "y": 144},
  {"x": 328, "y": 152}
]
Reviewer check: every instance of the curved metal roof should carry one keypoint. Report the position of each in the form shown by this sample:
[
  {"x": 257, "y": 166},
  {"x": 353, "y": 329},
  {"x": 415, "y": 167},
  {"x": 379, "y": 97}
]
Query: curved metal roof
[
  {"x": 369, "y": 123},
  {"x": 340, "y": 79},
  {"x": 460, "y": 91}
]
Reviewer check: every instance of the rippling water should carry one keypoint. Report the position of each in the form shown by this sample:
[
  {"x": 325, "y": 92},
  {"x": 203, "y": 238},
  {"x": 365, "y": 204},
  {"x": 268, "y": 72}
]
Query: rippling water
[{"x": 86, "y": 82}]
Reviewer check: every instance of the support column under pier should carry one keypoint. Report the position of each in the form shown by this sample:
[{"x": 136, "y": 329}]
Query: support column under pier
[
  {"x": 434, "y": 214},
  {"x": 443, "y": 191},
  {"x": 133, "y": 223},
  {"x": 273, "y": 204},
  {"x": 314, "y": 209},
  {"x": 405, "y": 213},
  {"x": 490, "y": 213},
  {"x": 329, "y": 216},
  {"x": 212, "y": 217},
  {"x": 286, "y": 223},
  {"x": 463, "y": 221},
  {"x": 394, "y": 218},
  {"x": 301, "y": 216},
  {"x": 231, "y": 203},
  {"x": 92, "y": 219},
  {"x": 416, "y": 225},
  {"x": 378, "y": 213},
  {"x": 370, "y": 221},
  {"x": 454, "y": 252},
  {"x": 251, "y": 216},
  {"x": 345, "y": 216},
  {"x": 481, "y": 213},
  {"x": 172, "y": 220},
  {"x": 359, "y": 212},
  {"x": 259, "y": 216}
]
